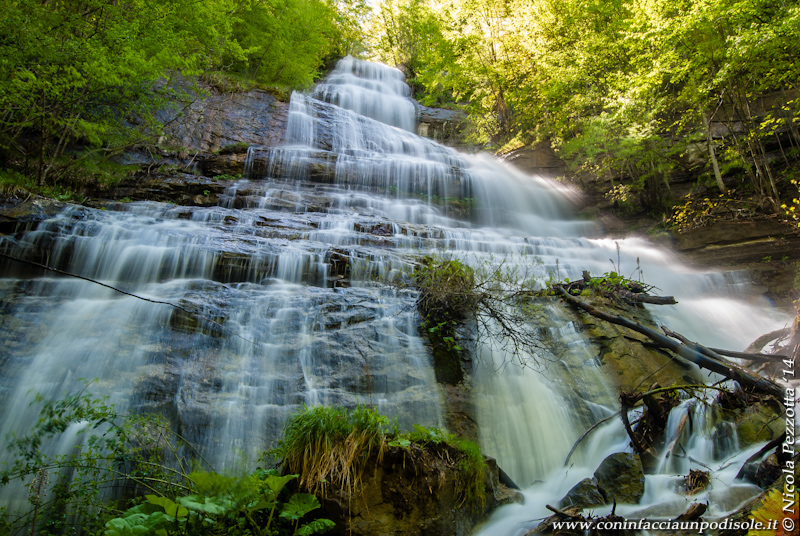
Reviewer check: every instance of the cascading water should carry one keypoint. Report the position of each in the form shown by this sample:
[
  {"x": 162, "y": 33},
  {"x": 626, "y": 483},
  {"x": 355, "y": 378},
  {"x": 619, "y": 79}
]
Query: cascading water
[{"x": 293, "y": 274}]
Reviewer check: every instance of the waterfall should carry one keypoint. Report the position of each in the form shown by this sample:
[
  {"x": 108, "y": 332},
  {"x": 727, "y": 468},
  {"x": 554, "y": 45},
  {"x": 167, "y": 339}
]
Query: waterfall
[{"x": 298, "y": 275}]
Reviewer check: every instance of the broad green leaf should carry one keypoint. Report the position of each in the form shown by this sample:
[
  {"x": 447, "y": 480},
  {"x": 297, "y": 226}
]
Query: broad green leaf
[
  {"x": 208, "y": 505},
  {"x": 318, "y": 526},
  {"x": 170, "y": 508},
  {"x": 277, "y": 483},
  {"x": 299, "y": 505},
  {"x": 400, "y": 442},
  {"x": 211, "y": 483},
  {"x": 260, "y": 505}
]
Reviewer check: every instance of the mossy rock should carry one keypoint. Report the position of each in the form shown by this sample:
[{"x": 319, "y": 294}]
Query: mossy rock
[{"x": 760, "y": 422}]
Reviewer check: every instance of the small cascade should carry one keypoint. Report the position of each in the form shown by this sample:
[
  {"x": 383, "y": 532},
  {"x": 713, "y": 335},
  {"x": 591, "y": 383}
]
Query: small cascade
[
  {"x": 371, "y": 90},
  {"x": 691, "y": 445},
  {"x": 294, "y": 264}
]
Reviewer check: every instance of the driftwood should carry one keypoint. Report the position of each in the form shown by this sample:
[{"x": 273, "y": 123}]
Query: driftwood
[
  {"x": 693, "y": 512},
  {"x": 641, "y": 297},
  {"x": 716, "y": 364},
  {"x": 757, "y": 357},
  {"x": 716, "y": 353},
  {"x": 627, "y": 402},
  {"x": 633, "y": 294},
  {"x": 760, "y": 454},
  {"x": 762, "y": 341}
]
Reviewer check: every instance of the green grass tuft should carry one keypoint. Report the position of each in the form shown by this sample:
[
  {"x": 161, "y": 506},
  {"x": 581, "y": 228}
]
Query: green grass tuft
[{"x": 330, "y": 445}]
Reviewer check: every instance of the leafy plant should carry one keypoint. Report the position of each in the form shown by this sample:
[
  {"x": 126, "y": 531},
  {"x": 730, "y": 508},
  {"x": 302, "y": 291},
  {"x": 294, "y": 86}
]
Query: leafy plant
[
  {"x": 232, "y": 506},
  {"x": 447, "y": 287},
  {"x": 792, "y": 210},
  {"x": 140, "y": 453}
]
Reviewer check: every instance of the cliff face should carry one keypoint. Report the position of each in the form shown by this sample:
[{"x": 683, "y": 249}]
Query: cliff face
[{"x": 220, "y": 120}]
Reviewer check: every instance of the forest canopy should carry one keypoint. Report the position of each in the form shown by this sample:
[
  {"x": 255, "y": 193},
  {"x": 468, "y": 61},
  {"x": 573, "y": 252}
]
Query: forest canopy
[
  {"x": 635, "y": 89},
  {"x": 80, "y": 81}
]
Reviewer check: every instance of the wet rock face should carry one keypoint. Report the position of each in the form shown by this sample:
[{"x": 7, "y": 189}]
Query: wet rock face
[
  {"x": 540, "y": 159},
  {"x": 445, "y": 126},
  {"x": 220, "y": 120},
  {"x": 621, "y": 478},
  {"x": 584, "y": 494}
]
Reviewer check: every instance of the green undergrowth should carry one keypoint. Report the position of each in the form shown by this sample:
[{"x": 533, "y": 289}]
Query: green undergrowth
[
  {"x": 257, "y": 504},
  {"x": 86, "y": 173},
  {"x": 132, "y": 475},
  {"x": 330, "y": 447}
]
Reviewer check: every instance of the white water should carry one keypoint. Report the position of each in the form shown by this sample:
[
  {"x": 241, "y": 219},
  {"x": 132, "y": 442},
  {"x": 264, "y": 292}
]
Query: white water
[{"x": 268, "y": 273}]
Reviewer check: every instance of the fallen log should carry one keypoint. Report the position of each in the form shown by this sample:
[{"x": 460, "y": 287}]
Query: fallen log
[
  {"x": 640, "y": 297},
  {"x": 758, "y": 358},
  {"x": 719, "y": 365},
  {"x": 693, "y": 512},
  {"x": 716, "y": 353},
  {"x": 758, "y": 344},
  {"x": 760, "y": 454}
]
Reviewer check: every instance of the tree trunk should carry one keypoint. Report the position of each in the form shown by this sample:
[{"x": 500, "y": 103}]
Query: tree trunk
[{"x": 712, "y": 154}]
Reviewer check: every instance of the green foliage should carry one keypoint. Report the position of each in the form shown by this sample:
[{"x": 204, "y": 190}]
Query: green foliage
[
  {"x": 447, "y": 296},
  {"x": 82, "y": 82},
  {"x": 140, "y": 453},
  {"x": 92, "y": 74},
  {"x": 611, "y": 282},
  {"x": 447, "y": 288},
  {"x": 792, "y": 210},
  {"x": 698, "y": 211},
  {"x": 228, "y": 505},
  {"x": 630, "y": 90},
  {"x": 276, "y": 46}
]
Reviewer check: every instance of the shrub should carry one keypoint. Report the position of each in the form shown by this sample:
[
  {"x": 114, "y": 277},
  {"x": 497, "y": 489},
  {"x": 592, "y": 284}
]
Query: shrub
[
  {"x": 447, "y": 288},
  {"x": 469, "y": 461}
]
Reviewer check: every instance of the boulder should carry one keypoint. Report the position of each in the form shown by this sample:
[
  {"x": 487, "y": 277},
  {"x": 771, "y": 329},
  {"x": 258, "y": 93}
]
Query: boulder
[
  {"x": 759, "y": 422},
  {"x": 584, "y": 494},
  {"x": 620, "y": 478}
]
